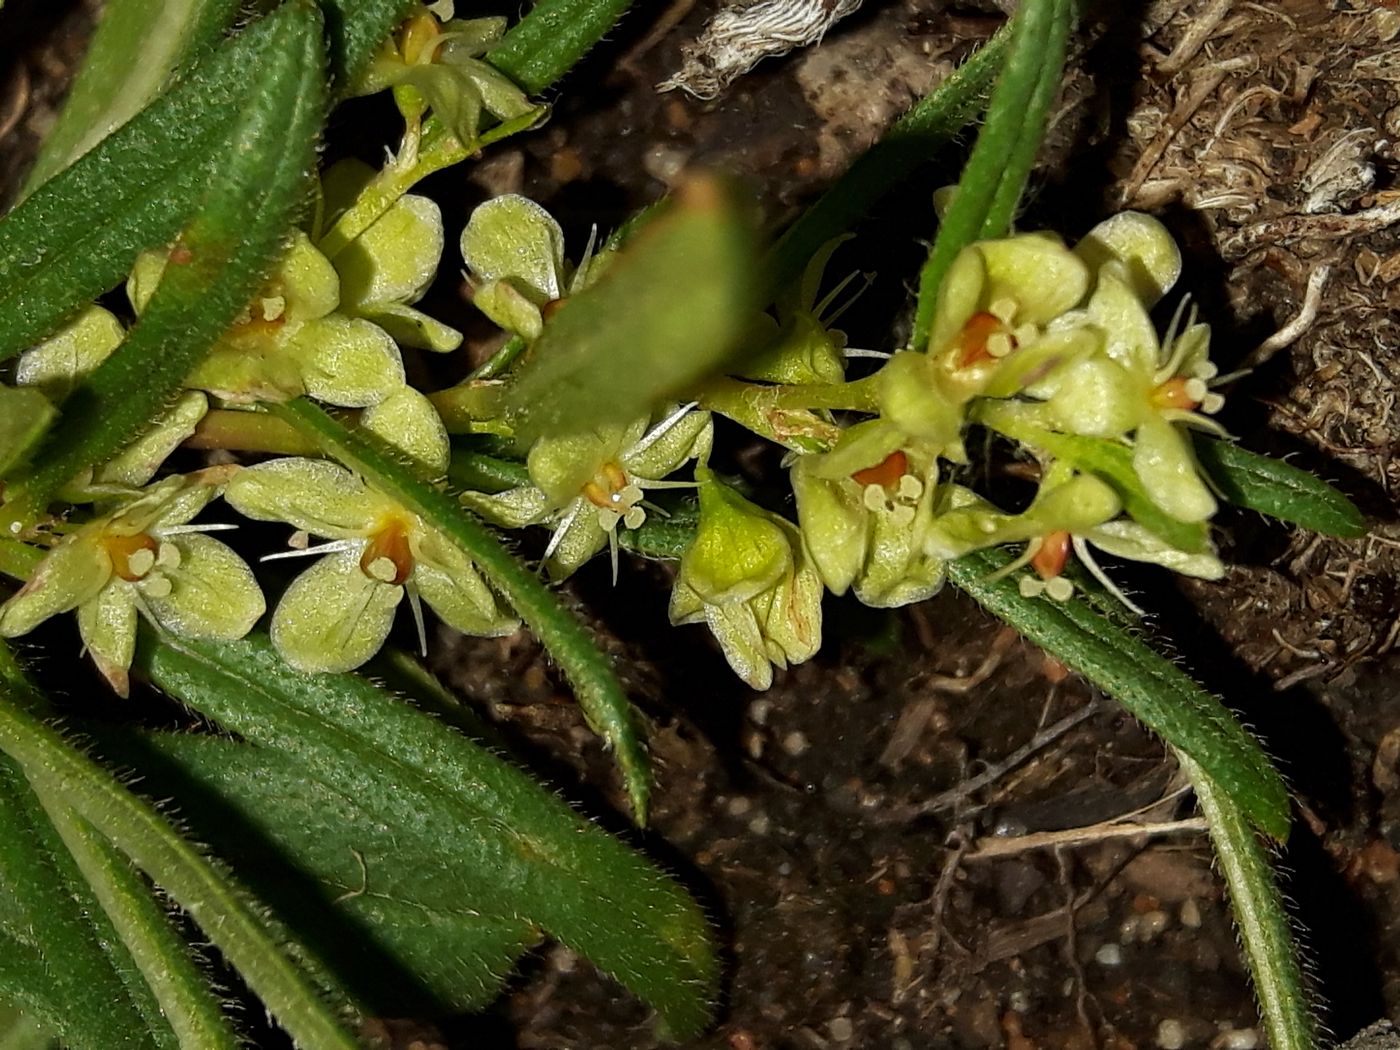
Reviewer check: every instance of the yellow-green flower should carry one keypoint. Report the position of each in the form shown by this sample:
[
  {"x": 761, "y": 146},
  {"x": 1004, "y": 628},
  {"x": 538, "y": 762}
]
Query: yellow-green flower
[
  {"x": 143, "y": 558},
  {"x": 337, "y": 614},
  {"x": 747, "y": 577}
]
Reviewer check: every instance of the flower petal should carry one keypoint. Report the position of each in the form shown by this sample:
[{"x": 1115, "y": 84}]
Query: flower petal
[
  {"x": 73, "y": 573},
  {"x": 311, "y": 494},
  {"x": 1130, "y": 337},
  {"x": 213, "y": 593},
  {"x": 1163, "y": 460},
  {"x": 333, "y": 617},
  {"x": 959, "y": 297},
  {"x": 306, "y": 280},
  {"x": 735, "y": 627},
  {"x": 462, "y": 600},
  {"x": 57, "y": 364},
  {"x": 410, "y": 327},
  {"x": 394, "y": 260},
  {"x": 1128, "y": 539},
  {"x": 687, "y": 438},
  {"x": 1037, "y": 271},
  {"x": 107, "y": 624},
  {"x": 138, "y": 462},
  {"x": 347, "y": 361},
  {"x": 835, "y": 524},
  {"x": 1144, "y": 247},
  {"x": 408, "y": 421},
  {"x": 514, "y": 508},
  {"x": 512, "y": 236}
]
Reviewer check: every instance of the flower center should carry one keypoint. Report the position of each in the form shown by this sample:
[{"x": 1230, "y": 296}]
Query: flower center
[
  {"x": 132, "y": 556},
  {"x": 388, "y": 557},
  {"x": 1053, "y": 553},
  {"x": 419, "y": 39},
  {"x": 616, "y": 497},
  {"x": 890, "y": 488},
  {"x": 985, "y": 337},
  {"x": 1180, "y": 392}
]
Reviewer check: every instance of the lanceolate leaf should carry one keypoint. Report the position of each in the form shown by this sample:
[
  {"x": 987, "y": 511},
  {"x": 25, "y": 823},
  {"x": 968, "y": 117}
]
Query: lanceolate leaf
[
  {"x": 80, "y": 980},
  {"x": 78, "y": 235},
  {"x": 588, "y": 670},
  {"x": 507, "y": 849},
  {"x": 1278, "y": 489},
  {"x": 669, "y": 310},
  {"x": 413, "y": 926},
  {"x": 354, "y": 29},
  {"x": 215, "y": 268},
  {"x": 1152, "y": 688},
  {"x": 245, "y": 936},
  {"x": 138, "y": 44}
]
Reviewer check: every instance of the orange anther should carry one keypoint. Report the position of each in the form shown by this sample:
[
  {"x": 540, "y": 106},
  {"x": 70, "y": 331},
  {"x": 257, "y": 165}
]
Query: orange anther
[
  {"x": 121, "y": 549},
  {"x": 1172, "y": 394},
  {"x": 419, "y": 34},
  {"x": 886, "y": 473},
  {"x": 1049, "y": 560},
  {"x": 389, "y": 543},
  {"x": 972, "y": 340}
]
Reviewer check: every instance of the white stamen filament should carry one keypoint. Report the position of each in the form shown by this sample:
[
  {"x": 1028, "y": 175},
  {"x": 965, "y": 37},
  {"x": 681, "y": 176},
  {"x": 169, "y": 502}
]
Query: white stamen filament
[{"x": 320, "y": 548}]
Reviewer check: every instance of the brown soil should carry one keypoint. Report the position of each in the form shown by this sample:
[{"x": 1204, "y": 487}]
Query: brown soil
[{"x": 877, "y": 869}]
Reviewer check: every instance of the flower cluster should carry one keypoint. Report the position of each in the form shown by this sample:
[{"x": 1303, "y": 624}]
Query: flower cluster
[{"x": 1051, "y": 347}]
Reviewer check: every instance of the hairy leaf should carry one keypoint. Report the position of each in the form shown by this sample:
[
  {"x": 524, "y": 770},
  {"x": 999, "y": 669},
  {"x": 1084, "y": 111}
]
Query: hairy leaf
[
  {"x": 261, "y": 952},
  {"x": 1154, "y": 690},
  {"x": 551, "y": 39},
  {"x": 1278, "y": 489},
  {"x": 477, "y": 834},
  {"x": 233, "y": 239},
  {"x": 669, "y": 310}
]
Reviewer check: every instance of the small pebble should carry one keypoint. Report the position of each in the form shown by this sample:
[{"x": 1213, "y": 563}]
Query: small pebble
[
  {"x": 1020, "y": 1001},
  {"x": 760, "y": 825},
  {"x": 759, "y": 711},
  {"x": 1109, "y": 955},
  {"x": 664, "y": 162},
  {"x": 1191, "y": 914},
  {"x": 1151, "y": 925},
  {"x": 1171, "y": 1034},
  {"x": 841, "y": 1029},
  {"x": 795, "y": 743},
  {"x": 739, "y": 805},
  {"x": 1237, "y": 1039}
]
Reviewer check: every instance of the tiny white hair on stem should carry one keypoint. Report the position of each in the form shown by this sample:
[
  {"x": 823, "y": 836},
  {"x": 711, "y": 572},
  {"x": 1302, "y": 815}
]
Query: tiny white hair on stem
[{"x": 738, "y": 38}]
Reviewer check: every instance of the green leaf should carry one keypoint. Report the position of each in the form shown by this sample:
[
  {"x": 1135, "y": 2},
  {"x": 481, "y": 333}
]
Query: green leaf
[
  {"x": 137, "y": 46},
  {"x": 669, "y": 310},
  {"x": 388, "y": 901},
  {"x": 587, "y": 669},
  {"x": 242, "y": 932},
  {"x": 459, "y": 830},
  {"x": 24, "y": 415},
  {"x": 995, "y": 175},
  {"x": 1278, "y": 489},
  {"x": 80, "y": 980},
  {"x": 1154, "y": 690},
  {"x": 551, "y": 39},
  {"x": 1260, "y": 916},
  {"x": 931, "y": 125},
  {"x": 78, "y": 235},
  {"x": 234, "y": 238}
]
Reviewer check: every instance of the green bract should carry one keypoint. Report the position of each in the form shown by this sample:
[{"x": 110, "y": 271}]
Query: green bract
[
  {"x": 144, "y": 558},
  {"x": 747, "y": 577},
  {"x": 336, "y": 615}
]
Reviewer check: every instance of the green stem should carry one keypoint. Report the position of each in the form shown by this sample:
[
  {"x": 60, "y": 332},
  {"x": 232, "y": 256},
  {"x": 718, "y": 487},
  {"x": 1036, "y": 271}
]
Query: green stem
[
  {"x": 501, "y": 360},
  {"x": 995, "y": 174},
  {"x": 587, "y": 669},
  {"x": 1260, "y": 916},
  {"x": 473, "y": 407},
  {"x": 186, "y": 1002},
  {"x": 58, "y": 771}
]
